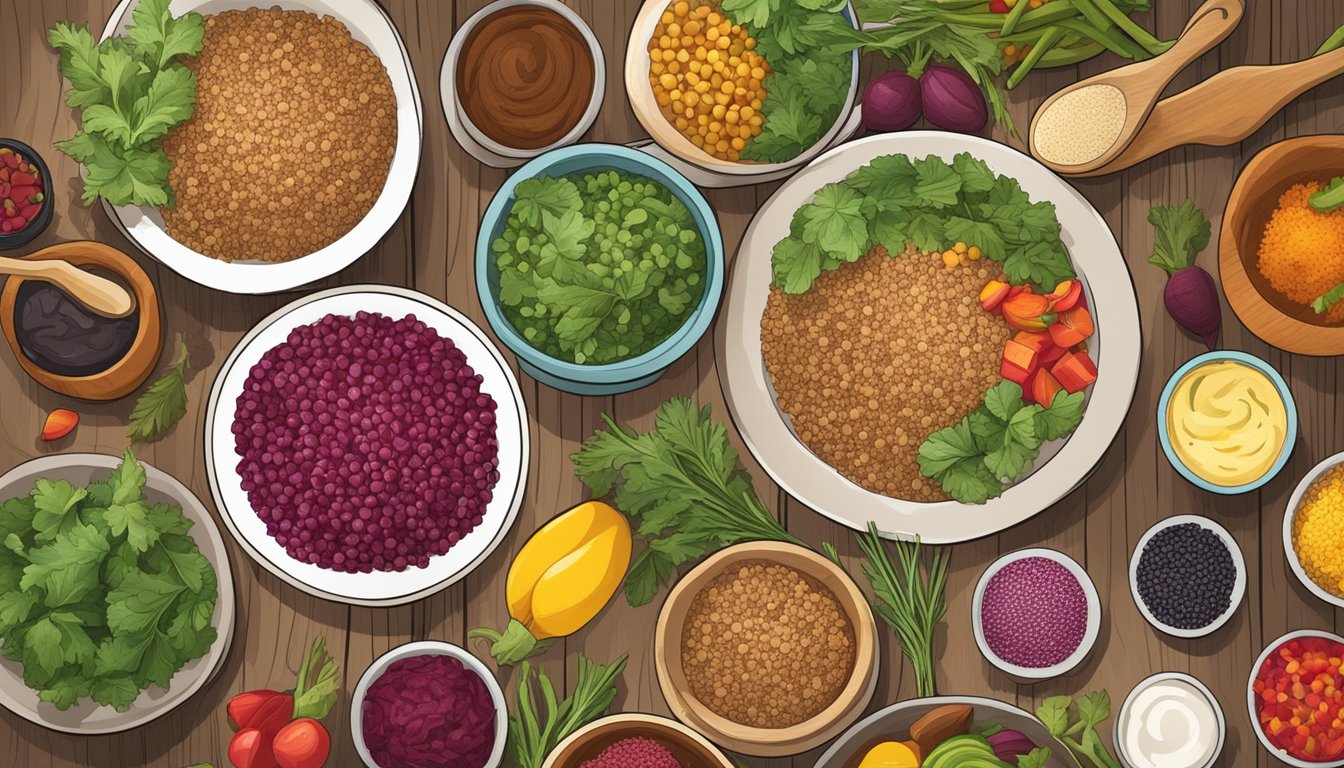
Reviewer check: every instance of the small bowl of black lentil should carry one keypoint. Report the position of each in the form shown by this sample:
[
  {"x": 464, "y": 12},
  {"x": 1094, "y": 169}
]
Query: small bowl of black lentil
[{"x": 1187, "y": 576}]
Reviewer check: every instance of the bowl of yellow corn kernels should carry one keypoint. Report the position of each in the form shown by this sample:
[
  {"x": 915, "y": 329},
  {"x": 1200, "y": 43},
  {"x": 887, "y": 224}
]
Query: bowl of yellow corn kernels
[
  {"x": 740, "y": 95},
  {"x": 1313, "y": 526}
]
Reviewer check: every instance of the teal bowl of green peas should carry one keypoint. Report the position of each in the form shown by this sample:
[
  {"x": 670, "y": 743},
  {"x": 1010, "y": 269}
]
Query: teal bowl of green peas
[{"x": 599, "y": 266}]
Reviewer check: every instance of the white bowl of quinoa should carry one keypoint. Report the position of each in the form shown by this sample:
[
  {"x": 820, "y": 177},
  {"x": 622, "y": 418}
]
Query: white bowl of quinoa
[
  {"x": 902, "y": 393},
  {"x": 1312, "y": 524},
  {"x": 367, "y": 444},
  {"x": 301, "y": 152}
]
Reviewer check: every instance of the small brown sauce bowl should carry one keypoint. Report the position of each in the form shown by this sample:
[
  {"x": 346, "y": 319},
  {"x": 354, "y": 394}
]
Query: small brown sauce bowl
[
  {"x": 767, "y": 742},
  {"x": 127, "y": 374},
  {"x": 689, "y": 748},
  {"x": 1265, "y": 311}
]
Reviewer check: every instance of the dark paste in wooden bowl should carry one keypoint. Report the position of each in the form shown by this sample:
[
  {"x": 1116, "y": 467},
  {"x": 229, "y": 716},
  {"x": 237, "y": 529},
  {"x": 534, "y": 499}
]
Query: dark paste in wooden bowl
[
  {"x": 525, "y": 77},
  {"x": 63, "y": 336}
]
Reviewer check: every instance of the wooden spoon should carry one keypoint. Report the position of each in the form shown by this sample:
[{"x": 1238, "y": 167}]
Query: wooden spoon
[
  {"x": 1139, "y": 85},
  {"x": 1200, "y": 115},
  {"x": 97, "y": 293}
]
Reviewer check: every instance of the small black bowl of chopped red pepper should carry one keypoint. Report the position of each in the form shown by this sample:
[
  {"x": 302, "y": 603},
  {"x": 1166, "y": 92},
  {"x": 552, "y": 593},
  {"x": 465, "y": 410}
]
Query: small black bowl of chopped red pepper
[{"x": 25, "y": 194}]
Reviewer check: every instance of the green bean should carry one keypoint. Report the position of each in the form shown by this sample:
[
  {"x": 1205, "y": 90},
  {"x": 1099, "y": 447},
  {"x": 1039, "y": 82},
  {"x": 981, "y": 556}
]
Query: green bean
[
  {"x": 1048, "y": 41},
  {"x": 1035, "y": 17},
  {"x": 1093, "y": 14},
  {"x": 1110, "y": 38},
  {"x": 1014, "y": 17},
  {"x": 1138, "y": 33},
  {"x": 1068, "y": 57}
]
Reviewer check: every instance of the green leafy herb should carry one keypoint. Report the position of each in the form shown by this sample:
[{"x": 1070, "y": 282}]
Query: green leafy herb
[
  {"x": 597, "y": 268},
  {"x": 1075, "y": 723},
  {"x": 997, "y": 443},
  {"x": 895, "y": 200},
  {"x": 1036, "y": 758},
  {"x": 1180, "y": 233},
  {"x": 681, "y": 485},
  {"x": 533, "y": 733},
  {"x": 102, "y": 592},
  {"x": 1331, "y": 198},
  {"x": 910, "y": 598},
  {"x": 1330, "y": 298},
  {"x": 132, "y": 91},
  {"x": 164, "y": 403},
  {"x": 319, "y": 682}
]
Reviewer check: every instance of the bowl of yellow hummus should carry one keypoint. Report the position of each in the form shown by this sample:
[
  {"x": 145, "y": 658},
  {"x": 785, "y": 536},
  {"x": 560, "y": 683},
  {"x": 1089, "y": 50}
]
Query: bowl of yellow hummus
[{"x": 1227, "y": 422}]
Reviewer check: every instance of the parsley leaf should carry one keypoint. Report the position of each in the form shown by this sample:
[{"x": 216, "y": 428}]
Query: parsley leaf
[
  {"x": 833, "y": 221},
  {"x": 1181, "y": 232},
  {"x": 164, "y": 403},
  {"x": 754, "y": 12},
  {"x": 537, "y": 196},
  {"x": 1061, "y": 418},
  {"x": 132, "y": 91},
  {"x": 1036, "y": 758}
]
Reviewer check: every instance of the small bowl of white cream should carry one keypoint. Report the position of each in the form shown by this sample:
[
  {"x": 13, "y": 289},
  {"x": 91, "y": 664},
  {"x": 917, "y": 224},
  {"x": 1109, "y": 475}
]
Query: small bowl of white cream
[{"x": 1170, "y": 720}]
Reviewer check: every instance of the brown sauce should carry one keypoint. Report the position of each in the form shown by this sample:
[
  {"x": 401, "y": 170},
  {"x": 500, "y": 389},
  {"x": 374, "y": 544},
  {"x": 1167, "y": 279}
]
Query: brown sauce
[{"x": 525, "y": 77}]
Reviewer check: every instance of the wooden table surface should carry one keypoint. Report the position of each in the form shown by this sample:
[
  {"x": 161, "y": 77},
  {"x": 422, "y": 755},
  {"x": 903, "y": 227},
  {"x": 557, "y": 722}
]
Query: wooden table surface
[{"x": 431, "y": 250}]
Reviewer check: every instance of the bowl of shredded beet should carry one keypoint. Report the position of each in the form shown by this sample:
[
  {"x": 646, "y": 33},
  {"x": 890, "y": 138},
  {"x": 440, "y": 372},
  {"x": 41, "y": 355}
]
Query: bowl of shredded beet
[
  {"x": 367, "y": 444},
  {"x": 428, "y": 705}
]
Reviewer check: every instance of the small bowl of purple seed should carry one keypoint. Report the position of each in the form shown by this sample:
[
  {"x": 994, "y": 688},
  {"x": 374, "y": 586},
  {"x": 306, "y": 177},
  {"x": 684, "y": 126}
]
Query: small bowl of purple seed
[
  {"x": 1035, "y": 614},
  {"x": 367, "y": 444},
  {"x": 1187, "y": 575}
]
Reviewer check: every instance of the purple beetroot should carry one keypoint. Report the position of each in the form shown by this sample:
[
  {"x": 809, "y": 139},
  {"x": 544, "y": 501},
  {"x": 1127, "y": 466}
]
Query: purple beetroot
[
  {"x": 1180, "y": 233},
  {"x": 949, "y": 98}
]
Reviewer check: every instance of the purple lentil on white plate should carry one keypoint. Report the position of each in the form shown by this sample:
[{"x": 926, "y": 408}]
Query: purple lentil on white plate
[
  {"x": 1033, "y": 613},
  {"x": 366, "y": 443}
]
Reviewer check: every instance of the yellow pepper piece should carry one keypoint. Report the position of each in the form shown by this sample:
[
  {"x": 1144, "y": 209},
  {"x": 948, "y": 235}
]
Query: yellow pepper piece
[
  {"x": 574, "y": 590},
  {"x": 890, "y": 754}
]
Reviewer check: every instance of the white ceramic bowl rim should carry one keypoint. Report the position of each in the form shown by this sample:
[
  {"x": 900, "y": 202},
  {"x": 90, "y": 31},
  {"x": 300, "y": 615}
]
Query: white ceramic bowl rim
[
  {"x": 1250, "y": 697},
  {"x": 450, "y": 63},
  {"x": 1090, "y": 633},
  {"x": 1122, "y": 717},
  {"x": 1238, "y": 585},
  {"x": 1290, "y": 514},
  {"x": 368, "y": 24},
  {"x": 379, "y": 588},
  {"x": 428, "y": 648}
]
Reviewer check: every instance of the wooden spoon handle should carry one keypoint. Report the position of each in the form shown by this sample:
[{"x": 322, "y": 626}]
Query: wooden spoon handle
[
  {"x": 1200, "y": 114},
  {"x": 1209, "y": 26}
]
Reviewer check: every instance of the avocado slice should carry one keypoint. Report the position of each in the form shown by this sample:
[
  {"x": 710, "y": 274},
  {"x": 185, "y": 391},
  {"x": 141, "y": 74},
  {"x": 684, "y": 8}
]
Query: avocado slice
[{"x": 966, "y": 751}]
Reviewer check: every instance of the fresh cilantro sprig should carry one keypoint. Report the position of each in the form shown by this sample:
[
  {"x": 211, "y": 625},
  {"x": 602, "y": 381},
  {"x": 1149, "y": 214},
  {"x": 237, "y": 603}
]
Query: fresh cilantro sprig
[
  {"x": 681, "y": 484},
  {"x": 1075, "y": 723},
  {"x": 1180, "y": 233},
  {"x": 102, "y": 592},
  {"x": 975, "y": 459},
  {"x": 931, "y": 203},
  {"x": 1036, "y": 758},
  {"x": 131, "y": 90},
  {"x": 164, "y": 402}
]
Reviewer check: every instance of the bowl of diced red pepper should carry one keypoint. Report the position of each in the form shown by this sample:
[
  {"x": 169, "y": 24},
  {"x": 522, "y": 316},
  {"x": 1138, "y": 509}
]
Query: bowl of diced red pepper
[
  {"x": 25, "y": 194},
  {"x": 1296, "y": 698}
]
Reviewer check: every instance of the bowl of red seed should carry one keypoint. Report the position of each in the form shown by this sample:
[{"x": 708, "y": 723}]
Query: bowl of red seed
[
  {"x": 367, "y": 444},
  {"x": 25, "y": 194},
  {"x": 636, "y": 740},
  {"x": 767, "y": 648},
  {"x": 1035, "y": 614},
  {"x": 1295, "y": 694}
]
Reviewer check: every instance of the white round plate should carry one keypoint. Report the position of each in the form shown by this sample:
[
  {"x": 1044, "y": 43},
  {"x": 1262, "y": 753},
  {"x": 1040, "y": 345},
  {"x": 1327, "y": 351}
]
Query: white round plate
[
  {"x": 1290, "y": 514},
  {"x": 379, "y": 588},
  {"x": 1252, "y": 700},
  {"x": 428, "y": 648},
  {"x": 767, "y": 433},
  {"x": 369, "y": 25},
  {"x": 1126, "y": 710},
  {"x": 1238, "y": 584},
  {"x": 88, "y": 718}
]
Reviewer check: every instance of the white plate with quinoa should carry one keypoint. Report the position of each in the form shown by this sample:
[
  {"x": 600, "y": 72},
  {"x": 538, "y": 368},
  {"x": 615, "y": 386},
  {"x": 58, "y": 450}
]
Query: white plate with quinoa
[
  {"x": 1062, "y": 464},
  {"x": 380, "y": 587},
  {"x": 368, "y": 24}
]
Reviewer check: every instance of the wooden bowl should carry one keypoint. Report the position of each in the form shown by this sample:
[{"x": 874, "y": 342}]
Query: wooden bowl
[
  {"x": 1265, "y": 311},
  {"x": 690, "y": 748},
  {"x": 128, "y": 373},
  {"x": 767, "y": 742}
]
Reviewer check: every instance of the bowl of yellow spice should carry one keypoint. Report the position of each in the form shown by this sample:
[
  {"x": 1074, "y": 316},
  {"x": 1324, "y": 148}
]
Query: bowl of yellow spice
[
  {"x": 1227, "y": 422},
  {"x": 1313, "y": 525}
]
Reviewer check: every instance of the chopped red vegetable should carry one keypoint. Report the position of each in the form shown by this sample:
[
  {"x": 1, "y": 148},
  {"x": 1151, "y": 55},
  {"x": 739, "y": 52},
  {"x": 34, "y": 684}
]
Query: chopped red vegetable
[
  {"x": 1299, "y": 695},
  {"x": 21, "y": 197},
  {"x": 59, "y": 423}
]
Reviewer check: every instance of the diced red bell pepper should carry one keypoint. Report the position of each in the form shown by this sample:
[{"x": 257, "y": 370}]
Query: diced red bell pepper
[
  {"x": 1019, "y": 363},
  {"x": 993, "y": 294},
  {"x": 1027, "y": 312},
  {"x": 1074, "y": 327},
  {"x": 1040, "y": 341},
  {"x": 1066, "y": 295},
  {"x": 23, "y": 179},
  {"x": 1075, "y": 371},
  {"x": 999, "y": 6}
]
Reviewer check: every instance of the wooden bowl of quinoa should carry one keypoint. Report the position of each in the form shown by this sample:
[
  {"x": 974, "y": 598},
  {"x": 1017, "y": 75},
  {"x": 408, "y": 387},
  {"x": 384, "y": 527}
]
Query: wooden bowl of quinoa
[
  {"x": 1255, "y": 265},
  {"x": 1313, "y": 524},
  {"x": 767, "y": 648}
]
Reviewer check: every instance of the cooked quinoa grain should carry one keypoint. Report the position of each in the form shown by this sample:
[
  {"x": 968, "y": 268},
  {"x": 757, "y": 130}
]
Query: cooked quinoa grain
[
  {"x": 1318, "y": 527},
  {"x": 1298, "y": 253},
  {"x": 766, "y": 645},
  {"x": 290, "y": 143},
  {"x": 878, "y": 355}
]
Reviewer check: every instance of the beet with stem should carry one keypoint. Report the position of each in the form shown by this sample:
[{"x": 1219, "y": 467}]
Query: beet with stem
[{"x": 1180, "y": 233}]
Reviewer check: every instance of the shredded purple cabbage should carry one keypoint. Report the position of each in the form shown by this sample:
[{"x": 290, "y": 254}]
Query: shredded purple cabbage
[{"x": 429, "y": 712}]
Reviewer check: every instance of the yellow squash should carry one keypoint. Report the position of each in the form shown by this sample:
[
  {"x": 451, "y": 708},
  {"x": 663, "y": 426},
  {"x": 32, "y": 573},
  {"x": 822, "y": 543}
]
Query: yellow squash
[{"x": 561, "y": 579}]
